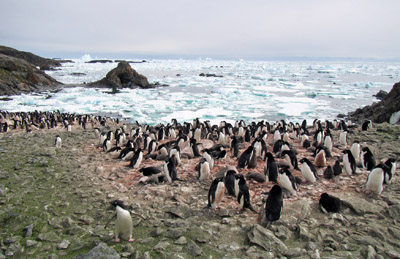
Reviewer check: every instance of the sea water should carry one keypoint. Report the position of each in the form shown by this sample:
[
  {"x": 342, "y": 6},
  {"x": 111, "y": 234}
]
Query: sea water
[{"x": 248, "y": 90}]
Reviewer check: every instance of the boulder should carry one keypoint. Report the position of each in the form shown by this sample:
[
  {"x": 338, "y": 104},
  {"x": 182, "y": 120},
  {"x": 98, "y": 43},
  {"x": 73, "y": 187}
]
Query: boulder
[
  {"x": 18, "y": 76},
  {"x": 43, "y": 63},
  {"x": 100, "y": 251},
  {"x": 381, "y": 111},
  {"x": 266, "y": 239},
  {"x": 123, "y": 76}
]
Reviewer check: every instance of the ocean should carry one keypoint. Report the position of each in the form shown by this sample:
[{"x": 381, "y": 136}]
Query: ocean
[{"x": 243, "y": 90}]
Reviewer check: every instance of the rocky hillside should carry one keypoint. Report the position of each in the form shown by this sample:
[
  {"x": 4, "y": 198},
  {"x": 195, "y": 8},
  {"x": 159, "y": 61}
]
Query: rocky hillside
[
  {"x": 42, "y": 63},
  {"x": 381, "y": 111},
  {"x": 19, "y": 76}
]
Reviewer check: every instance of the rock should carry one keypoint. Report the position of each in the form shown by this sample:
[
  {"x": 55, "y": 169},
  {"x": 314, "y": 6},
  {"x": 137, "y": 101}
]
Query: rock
[
  {"x": 381, "y": 111},
  {"x": 63, "y": 245},
  {"x": 146, "y": 255},
  {"x": 30, "y": 243},
  {"x": 181, "y": 241},
  {"x": 209, "y": 75},
  {"x": 100, "y": 251},
  {"x": 193, "y": 249},
  {"x": 18, "y": 76},
  {"x": 266, "y": 239},
  {"x": 380, "y": 95},
  {"x": 181, "y": 211},
  {"x": 49, "y": 236},
  {"x": 161, "y": 246},
  {"x": 394, "y": 211},
  {"x": 123, "y": 76},
  {"x": 361, "y": 205},
  {"x": 294, "y": 252},
  {"x": 174, "y": 233},
  {"x": 156, "y": 232},
  {"x": 371, "y": 253},
  {"x": 28, "y": 230},
  {"x": 43, "y": 63}
]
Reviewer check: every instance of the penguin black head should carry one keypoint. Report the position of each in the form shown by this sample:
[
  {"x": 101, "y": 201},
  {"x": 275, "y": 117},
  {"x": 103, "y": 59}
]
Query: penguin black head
[{"x": 116, "y": 203}]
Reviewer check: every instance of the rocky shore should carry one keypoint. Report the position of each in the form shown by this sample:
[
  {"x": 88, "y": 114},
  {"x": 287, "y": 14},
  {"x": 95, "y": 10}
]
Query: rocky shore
[{"x": 53, "y": 203}]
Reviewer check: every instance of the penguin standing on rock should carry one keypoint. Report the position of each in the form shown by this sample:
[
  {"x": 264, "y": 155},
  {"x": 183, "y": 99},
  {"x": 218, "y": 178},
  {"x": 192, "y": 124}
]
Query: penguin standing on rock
[
  {"x": 391, "y": 164},
  {"x": 288, "y": 181},
  {"x": 245, "y": 157},
  {"x": 230, "y": 182},
  {"x": 273, "y": 206},
  {"x": 136, "y": 159},
  {"x": 375, "y": 179},
  {"x": 367, "y": 159},
  {"x": 204, "y": 170},
  {"x": 349, "y": 162},
  {"x": 243, "y": 196},
  {"x": 290, "y": 158},
  {"x": 123, "y": 225},
  {"x": 170, "y": 169},
  {"x": 308, "y": 170},
  {"x": 271, "y": 168},
  {"x": 216, "y": 193}
]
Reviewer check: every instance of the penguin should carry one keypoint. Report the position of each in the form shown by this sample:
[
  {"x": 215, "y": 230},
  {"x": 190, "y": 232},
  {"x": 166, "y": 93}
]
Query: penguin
[
  {"x": 210, "y": 159},
  {"x": 329, "y": 203},
  {"x": 337, "y": 168},
  {"x": 97, "y": 132},
  {"x": 170, "y": 169},
  {"x": 123, "y": 224},
  {"x": 391, "y": 164},
  {"x": 290, "y": 158},
  {"x": 288, "y": 181},
  {"x": 216, "y": 193},
  {"x": 229, "y": 182},
  {"x": 235, "y": 147},
  {"x": 366, "y": 125},
  {"x": 258, "y": 177},
  {"x": 328, "y": 142},
  {"x": 308, "y": 170},
  {"x": 277, "y": 136},
  {"x": 305, "y": 141},
  {"x": 245, "y": 157},
  {"x": 127, "y": 153},
  {"x": 367, "y": 159},
  {"x": 271, "y": 168},
  {"x": 273, "y": 206},
  {"x": 328, "y": 173},
  {"x": 375, "y": 179},
  {"x": 107, "y": 145},
  {"x": 148, "y": 171},
  {"x": 320, "y": 157},
  {"x": 355, "y": 150},
  {"x": 58, "y": 142},
  {"x": 136, "y": 159},
  {"x": 176, "y": 151},
  {"x": 195, "y": 148},
  {"x": 204, "y": 170},
  {"x": 349, "y": 162},
  {"x": 343, "y": 138},
  {"x": 243, "y": 196}
]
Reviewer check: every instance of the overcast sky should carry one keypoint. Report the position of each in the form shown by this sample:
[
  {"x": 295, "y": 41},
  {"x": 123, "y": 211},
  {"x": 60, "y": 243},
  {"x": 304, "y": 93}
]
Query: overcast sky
[{"x": 219, "y": 28}]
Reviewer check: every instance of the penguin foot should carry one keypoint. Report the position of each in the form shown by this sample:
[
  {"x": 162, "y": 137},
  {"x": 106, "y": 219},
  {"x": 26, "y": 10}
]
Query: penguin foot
[
  {"x": 117, "y": 240},
  {"x": 131, "y": 240}
]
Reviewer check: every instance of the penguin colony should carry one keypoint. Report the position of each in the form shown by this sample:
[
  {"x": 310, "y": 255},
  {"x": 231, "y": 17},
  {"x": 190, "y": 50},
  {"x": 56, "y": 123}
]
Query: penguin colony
[{"x": 237, "y": 164}]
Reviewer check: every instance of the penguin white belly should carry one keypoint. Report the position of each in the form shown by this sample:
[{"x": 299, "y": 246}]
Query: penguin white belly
[
  {"x": 128, "y": 156},
  {"x": 355, "y": 150},
  {"x": 288, "y": 161},
  {"x": 139, "y": 160},
  {"x": 307, "y": 173},
  {"x": 219, "y": 194},
  {"x": 286, "y": 183},
  {"x": 347, "y": 165},
  {"x": 204, "y": 171},
  {"x": 375, "y": 181},
  {"x": 342, "y": 139},
  {"x": 167, "y": 175},
  {"x": 123, "y": 225},
  {"x": 328, "y": 143}
]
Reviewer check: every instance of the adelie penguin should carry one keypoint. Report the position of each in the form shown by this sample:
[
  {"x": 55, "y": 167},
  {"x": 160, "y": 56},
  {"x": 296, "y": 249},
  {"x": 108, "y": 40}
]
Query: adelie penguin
[
  {"x": 290, "y": 158},
  {"x": 367, "y": 159},
  {"x": 328, "y": 173},
  {"x": 288, "y": 181},
  {"x": 375, "y": 179},
  {"x": 136, "y": 159},
  {"x": 355, "y": 150},
  {"x": 204, "y": 170},
  {"x": 349, "y": 163},
  {"x": 272, "y": 209},
  {"x": 148, "y": 171},
  {"x": 216, "y": 193},
  {"x": 170, "y": 169},
  {"x": 229, "y": 181},
  {"x": 123, "y": 224},
  {"x": 308, "y": 170},
  {"x": 320, "y": 156},
  {"x": 245, "y": 157},
  {"x": 58, "y": 142},
  {"x": 271, "y": 168},
  {"x": 329, "y": 203},
  {"x": 243, "y": 196},
  {"x": 392, "y": 165}
]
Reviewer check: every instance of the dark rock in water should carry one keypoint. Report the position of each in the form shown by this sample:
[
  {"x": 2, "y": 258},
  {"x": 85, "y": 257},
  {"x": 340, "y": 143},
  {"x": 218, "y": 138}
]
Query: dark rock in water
[
  {"x": 381, "y": 111},
  {"x": 102, "y": 61},
  {"x": 18, "y": 76},
  {"x": 210, "y": 75},
  {"x": 100, "y": 251},
  {"x": 43, "y": 63},
  {"x": 380, "y": 95},
  {"x": 130, "y": 61},
  {"x": 78, "y": 74},
  {"x": 123, "y": 76}
]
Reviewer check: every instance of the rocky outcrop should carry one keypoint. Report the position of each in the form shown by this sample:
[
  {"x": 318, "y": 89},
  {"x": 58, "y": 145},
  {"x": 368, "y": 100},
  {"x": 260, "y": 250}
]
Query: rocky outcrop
[
  {"x": 123, "y": 76},
  {"x": 381, "y": 111},
  {"x": 43, "y": 63},
  {"x": 18, "y": 76}
]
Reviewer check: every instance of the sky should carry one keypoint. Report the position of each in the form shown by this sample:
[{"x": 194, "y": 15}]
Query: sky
[{"x": 187, "y": 28}]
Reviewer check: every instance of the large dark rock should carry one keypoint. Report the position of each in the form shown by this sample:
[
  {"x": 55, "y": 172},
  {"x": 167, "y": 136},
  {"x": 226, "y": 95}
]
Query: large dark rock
[
  {"x": 381, "y": 111},
  {"x": 123, "y": 76},
  {"x": 18, "y": 76},
  {"x": 43, "y": 63}
]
